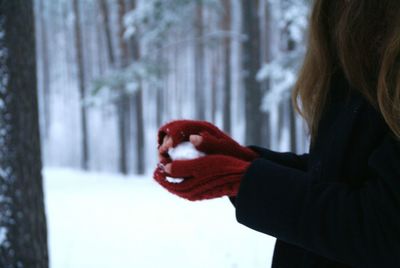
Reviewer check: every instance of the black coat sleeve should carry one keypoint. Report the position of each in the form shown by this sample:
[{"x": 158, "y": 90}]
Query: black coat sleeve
[
  {"x": 286, "y": 159},
  {"x": 356, "y": 226}
]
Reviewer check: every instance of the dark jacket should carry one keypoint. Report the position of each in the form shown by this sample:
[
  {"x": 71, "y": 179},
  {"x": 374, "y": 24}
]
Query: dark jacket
[{"x": 339, "y": 205}]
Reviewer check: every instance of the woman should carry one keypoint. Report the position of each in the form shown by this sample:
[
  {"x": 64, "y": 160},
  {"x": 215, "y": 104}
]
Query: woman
[{"x": 338, "y": 205}]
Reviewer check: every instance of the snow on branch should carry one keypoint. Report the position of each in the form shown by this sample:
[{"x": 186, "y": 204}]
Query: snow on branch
[
  {"x": 124, "y": 82},
  {"x": 281, "y": 72}
]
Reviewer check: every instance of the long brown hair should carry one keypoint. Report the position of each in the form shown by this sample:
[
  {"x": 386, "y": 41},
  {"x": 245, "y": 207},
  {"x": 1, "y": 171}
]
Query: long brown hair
[{"x": 361, "y": 38}]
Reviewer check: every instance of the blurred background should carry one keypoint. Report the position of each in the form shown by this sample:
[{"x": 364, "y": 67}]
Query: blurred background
[{"x": 110, "y": 73}]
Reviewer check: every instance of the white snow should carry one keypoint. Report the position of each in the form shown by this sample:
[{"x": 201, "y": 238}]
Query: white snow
[
  {"x": 174, "y": 180},
  {"x": 184, "y": 151},
  {"x": 3, "y": 235},
  {"x": 104, "y": 220}
]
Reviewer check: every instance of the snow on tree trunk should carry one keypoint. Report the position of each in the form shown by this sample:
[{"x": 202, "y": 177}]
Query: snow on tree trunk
[{"x": 23, "y": 236}]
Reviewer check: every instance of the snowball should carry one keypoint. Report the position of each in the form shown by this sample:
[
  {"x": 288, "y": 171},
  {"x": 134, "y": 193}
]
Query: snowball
[
  {"x": 174, "y": 180},
  {"x": 183, "y": 151}
]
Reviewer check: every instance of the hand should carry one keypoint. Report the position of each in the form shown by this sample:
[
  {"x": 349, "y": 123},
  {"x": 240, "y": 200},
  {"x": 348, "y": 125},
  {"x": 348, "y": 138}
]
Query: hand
[
  {"x": 205, "y": 137},
  {"x": 206, "y": 177},
  {"x": 163, "y": 148}
]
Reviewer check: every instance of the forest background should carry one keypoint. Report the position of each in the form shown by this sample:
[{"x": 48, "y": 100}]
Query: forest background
[{"x": 111, "y": 72}]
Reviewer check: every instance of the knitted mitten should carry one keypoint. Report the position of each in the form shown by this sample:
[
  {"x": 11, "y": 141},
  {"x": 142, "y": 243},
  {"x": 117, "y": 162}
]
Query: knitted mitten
[
  {"x": 214, "y": 141},
  {"x": 206, "y": 177}
]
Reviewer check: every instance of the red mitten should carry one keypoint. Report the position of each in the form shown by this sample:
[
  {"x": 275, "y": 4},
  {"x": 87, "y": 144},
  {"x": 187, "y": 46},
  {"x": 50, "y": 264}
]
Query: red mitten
[
  {"x": 214, "y": 141},
  {"x": 206, "y": 177}
]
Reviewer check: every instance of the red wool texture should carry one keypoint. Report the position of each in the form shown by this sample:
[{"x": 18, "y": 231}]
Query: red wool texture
[
  {"x": 215, "y": 141},
  {"x": 215, "y": 175}
]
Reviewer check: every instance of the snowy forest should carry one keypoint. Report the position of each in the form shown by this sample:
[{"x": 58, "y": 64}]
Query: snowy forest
[
  {"x": 84, "y": 87},
  {"x": 112, "y": 72}
]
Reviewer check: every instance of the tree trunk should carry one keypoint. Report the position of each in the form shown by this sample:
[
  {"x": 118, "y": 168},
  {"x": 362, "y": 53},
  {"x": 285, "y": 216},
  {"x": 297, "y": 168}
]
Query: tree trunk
[
  {"x": 45, "y": 69},
  {"x": 200, "y": 96},
  {"x": 215, "y": 65},
  {"x": 107, "y": 31},
  {"x": 123, "y": 103},
  {"x": 266, "y": 41},
  {"x": 69, "y": 57},
  {"x": 160, "y": 106},
  {"x": 81, "y": 84},
  {"x": 281, "y": 119},
  {"x": 122, "y": 113},
  {"x": 251, "y": 64},
  {"x": 87, "y": 39},
  {"x": 100, "y": 47},
  {"x": 160, "y": 90},
  {"x": 292, "y": 113},
  {"x": 137, "y": 103},
  {"x": 292, "y": 127},
  {"x": 140, "y": 163},
  {"x": 23, "y": 237},
  {"x": 227, "y": 62}
]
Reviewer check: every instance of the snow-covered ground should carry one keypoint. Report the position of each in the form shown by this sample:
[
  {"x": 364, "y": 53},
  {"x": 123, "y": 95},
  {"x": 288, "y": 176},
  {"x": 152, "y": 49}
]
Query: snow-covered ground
[{"x": 111, "y": 221}]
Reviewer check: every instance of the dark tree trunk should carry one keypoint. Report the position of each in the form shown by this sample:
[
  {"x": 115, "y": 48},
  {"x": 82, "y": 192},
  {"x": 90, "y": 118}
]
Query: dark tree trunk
[
  {"x": 140, "y": 163},
  {"x": 123, "y": 123},
  {"x": 160, "y": 90},
  {"x": 87, "y": 40},
  {"x": 292, "y": 127},
  {"x": 227, "y": 63},
  {"x": 281, "y": 119},
  {"x": 200, "y": 96},
  {"x": 292, "y": 112},
  {"x": 23, "y": 237},
  {"x": 137, "y": 103},
  {"x": 100, "y": 47},
  {"x": 81, "y": 84},
  {"x": 266, "y": 33},
  {"x": 70, "y": 58},
  {"x": 107, "y": 31},
  {"x": 124, "y": 100},
  {"x": 251, "y": 64},
  {"x": 160, "y": 106},
  {"x": 215, "y": 65}
]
